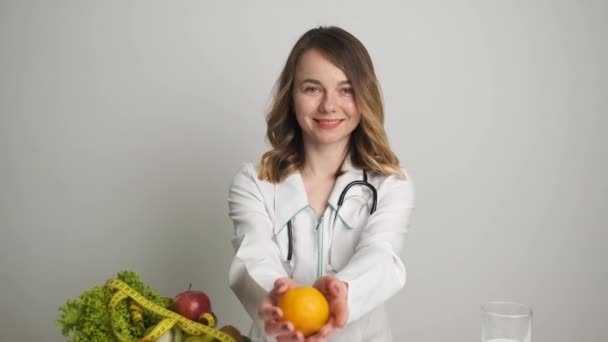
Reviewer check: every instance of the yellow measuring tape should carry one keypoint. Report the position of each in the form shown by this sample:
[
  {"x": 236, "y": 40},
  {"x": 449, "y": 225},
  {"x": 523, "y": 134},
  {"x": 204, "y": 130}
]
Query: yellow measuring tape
[{"x": 170, "y": 318}]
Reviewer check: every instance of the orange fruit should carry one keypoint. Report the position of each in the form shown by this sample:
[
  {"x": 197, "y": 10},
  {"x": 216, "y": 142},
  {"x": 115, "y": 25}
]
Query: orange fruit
[{"x": 306, "y": 308}]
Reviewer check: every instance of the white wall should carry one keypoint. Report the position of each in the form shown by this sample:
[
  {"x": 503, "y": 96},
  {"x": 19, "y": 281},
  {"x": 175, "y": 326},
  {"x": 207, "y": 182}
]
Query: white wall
[{"x": 122, "y": 124}]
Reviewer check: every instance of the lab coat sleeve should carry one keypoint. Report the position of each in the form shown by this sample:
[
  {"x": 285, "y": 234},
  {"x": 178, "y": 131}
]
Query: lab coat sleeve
[
  {"x": 257, "y": 262},
  {"x": 375, "y": 272}
]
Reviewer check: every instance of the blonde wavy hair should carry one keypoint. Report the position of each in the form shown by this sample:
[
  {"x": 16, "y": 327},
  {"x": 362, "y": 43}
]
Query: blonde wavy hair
[{"x": 368, "y": 145}]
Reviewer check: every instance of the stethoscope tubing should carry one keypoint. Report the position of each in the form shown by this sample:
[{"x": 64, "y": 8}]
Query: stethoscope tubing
[{"x": 363, "y": 182}]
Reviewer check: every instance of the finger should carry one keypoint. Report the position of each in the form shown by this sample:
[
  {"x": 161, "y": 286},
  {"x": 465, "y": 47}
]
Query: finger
[
  {"x": 297, "y": 336},
  {"x": 339, "y": 305},
  {"x": 339, "y": 316},
  {"x": 337, "y": 288},
  {"x": 293, "y": 337},
  {"x": 331, "y": 327},
  {"x": 276, "y": 328},
  {"x": 267, "y": 311},
  {"x": 316, "y": 338},
  {"x": 283, "y": 284},
  {"x": 326, "y": 330}
]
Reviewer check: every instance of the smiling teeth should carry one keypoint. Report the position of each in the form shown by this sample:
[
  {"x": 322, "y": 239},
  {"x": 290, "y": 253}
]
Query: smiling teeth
[{"x": 329, "y": 122}]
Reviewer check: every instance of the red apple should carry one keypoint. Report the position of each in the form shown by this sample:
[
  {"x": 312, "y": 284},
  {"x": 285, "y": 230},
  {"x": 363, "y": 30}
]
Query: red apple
[{"x": 191, "y": 304}]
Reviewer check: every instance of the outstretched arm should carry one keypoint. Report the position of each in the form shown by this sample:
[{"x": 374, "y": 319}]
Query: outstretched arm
[
  {"x": 257, "y": 261},
  {"x": 375, "y": 272}
]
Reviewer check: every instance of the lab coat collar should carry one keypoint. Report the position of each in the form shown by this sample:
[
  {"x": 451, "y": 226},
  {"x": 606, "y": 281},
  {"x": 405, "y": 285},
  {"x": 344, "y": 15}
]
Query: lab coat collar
[{"x": 291, "y": 197}]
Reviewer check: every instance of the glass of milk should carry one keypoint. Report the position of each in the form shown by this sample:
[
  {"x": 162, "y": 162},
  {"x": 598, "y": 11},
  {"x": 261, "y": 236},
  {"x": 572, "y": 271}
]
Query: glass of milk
[{"x": 506, "y": 322}]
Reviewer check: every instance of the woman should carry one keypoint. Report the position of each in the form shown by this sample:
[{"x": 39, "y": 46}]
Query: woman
[{"x": 292, "y": 226}]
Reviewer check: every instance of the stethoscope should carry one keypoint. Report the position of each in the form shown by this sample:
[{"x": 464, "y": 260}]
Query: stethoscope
[{"x": 340, "y": 202}]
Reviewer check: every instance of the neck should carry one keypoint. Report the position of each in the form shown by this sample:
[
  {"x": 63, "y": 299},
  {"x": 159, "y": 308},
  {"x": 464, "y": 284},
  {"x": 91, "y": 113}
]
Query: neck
[{"x": 323, "y": 162}]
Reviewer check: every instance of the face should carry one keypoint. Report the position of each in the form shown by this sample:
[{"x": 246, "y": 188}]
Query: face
[{"x": 324, "y": 102}]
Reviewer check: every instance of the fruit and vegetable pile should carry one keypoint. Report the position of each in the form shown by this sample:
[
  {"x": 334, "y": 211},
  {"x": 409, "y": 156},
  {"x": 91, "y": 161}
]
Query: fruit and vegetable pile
[{"x": 126, "y": 310}]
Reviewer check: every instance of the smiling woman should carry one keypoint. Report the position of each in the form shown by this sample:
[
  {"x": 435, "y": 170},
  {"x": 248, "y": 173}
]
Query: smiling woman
[
  {"x": 346, "y": 65},
  {"x": 299, "y": 218},
  {"x": 323, "y": 101}
]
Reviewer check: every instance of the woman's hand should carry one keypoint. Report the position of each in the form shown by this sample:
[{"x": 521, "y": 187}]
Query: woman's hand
[
  {"x": 336, "y": 292},
  {"x": 272, "y": 315}
]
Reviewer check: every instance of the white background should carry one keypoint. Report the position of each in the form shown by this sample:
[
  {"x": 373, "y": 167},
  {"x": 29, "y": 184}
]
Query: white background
[{"x": 123, "y": 122}]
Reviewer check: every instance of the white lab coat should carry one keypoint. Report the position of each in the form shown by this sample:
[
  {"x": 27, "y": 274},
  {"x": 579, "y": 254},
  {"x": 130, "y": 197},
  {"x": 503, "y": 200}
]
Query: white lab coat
[{"x": 359, "y": 249}]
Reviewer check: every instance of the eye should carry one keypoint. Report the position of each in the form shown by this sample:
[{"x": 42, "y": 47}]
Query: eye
[
  {"x": 312, "y": 89},
  {"x": 348, "y": 91}
]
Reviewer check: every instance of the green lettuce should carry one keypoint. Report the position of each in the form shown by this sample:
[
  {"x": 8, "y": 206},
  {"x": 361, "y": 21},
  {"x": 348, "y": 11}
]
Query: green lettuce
[{"x": 87, "y": 319}]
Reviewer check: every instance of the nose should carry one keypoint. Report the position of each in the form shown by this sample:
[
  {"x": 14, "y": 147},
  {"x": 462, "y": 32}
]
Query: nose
[{"x": 328, "y": 104}]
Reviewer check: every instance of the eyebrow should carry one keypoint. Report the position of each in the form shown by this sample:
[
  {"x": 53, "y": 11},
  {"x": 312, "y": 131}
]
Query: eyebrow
[{"x": 310, "y": 80}]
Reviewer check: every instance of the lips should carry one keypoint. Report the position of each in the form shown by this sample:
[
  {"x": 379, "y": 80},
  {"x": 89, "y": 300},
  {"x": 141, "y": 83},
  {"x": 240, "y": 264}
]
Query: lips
[{"x": 328, "y": 124}]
